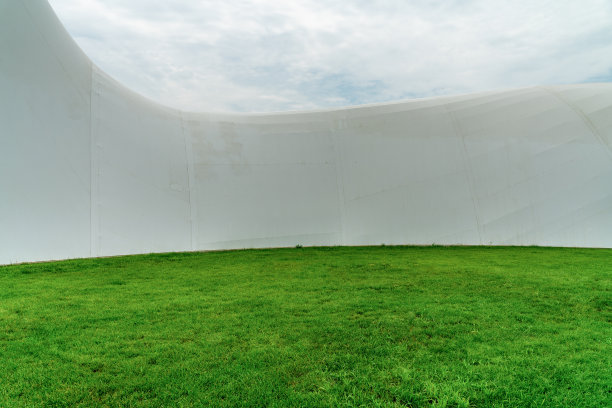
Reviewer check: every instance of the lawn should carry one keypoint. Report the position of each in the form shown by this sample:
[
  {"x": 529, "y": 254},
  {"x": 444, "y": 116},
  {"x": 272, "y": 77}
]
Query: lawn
[{"x": 310, "y": 327}]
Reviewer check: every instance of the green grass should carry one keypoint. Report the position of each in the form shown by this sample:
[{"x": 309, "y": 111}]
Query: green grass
[{"x": 373, "y": 326}]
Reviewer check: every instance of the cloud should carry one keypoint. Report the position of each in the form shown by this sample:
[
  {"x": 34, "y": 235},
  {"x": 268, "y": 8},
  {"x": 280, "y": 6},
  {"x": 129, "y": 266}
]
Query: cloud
[{"x": 266, "y": 55}]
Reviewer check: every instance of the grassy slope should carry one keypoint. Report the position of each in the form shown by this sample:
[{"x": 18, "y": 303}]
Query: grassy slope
[{"x": 378, "y": 326}]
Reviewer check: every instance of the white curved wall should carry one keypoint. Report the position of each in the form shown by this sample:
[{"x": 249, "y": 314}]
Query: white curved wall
[{"x": 89, "y": 168}]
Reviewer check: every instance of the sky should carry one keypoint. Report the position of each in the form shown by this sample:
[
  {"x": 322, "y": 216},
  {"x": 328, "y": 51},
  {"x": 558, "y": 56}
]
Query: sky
[{"x": 272, "y": 55}]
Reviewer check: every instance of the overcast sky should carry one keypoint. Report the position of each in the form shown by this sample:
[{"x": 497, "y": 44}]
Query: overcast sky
[{"x": 273, "y": 55}]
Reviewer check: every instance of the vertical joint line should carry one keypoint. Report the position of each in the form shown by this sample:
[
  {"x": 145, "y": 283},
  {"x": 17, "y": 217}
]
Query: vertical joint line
[
  {"x": 339, "y": 167},
  {"x": 468, "y": 169},
  {"x": 190, "y": 184},
  {"x": 92, "y": 169}
]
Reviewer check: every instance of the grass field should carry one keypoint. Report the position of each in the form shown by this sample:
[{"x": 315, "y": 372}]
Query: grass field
[{"x": 373, "y": 326}]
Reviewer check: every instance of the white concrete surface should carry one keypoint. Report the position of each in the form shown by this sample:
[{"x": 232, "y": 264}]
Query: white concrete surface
[{"x": 89, "y": 168}]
